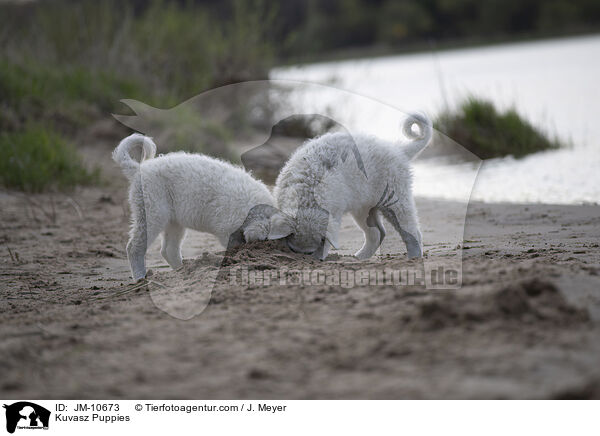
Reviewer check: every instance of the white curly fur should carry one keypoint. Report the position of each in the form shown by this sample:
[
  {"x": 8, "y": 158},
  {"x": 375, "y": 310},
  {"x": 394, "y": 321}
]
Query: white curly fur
[
  {"x": 324, "y": 179},
  {"x": 180, "y": 190}
]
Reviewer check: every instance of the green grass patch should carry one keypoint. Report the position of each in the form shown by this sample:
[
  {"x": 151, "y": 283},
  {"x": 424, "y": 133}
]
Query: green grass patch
[
  {"x": 36, "y": 159},
  {"x": 64, "y": 98},
  {"x": 479, "y": 127}
]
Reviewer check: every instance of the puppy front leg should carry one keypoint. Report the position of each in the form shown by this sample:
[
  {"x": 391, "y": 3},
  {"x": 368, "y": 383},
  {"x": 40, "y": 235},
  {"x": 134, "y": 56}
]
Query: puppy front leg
[
  {"x": 331, "y": 237},
  {"x": 333, "y": 233},
  {"x": 171, "y": 246}
]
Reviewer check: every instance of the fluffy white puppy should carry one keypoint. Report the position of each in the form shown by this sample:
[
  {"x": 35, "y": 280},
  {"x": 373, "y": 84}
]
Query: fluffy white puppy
[
  {"x": 339, "y": 173},
  {"x": 180, "y": 190}
]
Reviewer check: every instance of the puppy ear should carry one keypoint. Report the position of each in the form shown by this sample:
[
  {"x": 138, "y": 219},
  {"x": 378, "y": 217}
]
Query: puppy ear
[
  {"x": 255, "y": 231},
  {"x": 280, "y": 226}
]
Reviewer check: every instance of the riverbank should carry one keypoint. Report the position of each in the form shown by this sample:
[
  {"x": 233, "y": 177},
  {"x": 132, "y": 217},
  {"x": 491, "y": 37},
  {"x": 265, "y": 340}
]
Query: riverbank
[{"x": 428, "y": 47}]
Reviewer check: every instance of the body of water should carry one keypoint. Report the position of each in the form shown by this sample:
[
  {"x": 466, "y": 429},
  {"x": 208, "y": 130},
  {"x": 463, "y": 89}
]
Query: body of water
[{"x": 553, "y": 83}]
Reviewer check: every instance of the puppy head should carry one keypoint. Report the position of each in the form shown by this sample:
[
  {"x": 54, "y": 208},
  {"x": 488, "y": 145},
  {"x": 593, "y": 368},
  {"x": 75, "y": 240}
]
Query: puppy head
[
  {"x": 257, "y": 224},
  {"x": 305, "y": 233}
]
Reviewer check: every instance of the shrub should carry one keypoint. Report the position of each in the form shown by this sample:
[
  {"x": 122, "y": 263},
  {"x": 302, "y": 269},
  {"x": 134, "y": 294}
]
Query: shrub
[
  {"x": 36, "y": 159},
  {"x": 488, "y": 133}
]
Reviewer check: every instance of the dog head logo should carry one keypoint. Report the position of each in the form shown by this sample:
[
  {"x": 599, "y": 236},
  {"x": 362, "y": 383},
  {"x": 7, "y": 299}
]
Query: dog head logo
[{"x": 26, "y": 415}]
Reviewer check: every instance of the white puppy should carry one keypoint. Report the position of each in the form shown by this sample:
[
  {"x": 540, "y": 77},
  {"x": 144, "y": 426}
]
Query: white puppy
[
  {"x": 339, "y": 173},
  {"x": 180, "y": 190}
]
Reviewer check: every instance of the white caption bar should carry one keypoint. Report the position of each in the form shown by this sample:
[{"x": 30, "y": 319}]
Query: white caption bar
[{"x": 274, "y": 417}]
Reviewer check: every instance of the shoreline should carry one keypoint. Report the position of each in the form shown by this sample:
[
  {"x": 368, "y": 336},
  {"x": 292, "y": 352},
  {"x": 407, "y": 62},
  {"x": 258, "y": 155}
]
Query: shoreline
[{"x": 381, "y": 51}]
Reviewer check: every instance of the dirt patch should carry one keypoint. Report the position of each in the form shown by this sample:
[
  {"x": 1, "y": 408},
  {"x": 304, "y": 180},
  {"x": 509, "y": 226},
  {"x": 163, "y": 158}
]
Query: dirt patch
[
  {"x": 532, "y": 301},
  {"x": 72, "y": 324}
]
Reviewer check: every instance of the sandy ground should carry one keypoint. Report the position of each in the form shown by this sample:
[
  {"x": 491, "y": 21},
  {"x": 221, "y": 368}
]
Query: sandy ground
[{"x": 525, "y": 323}]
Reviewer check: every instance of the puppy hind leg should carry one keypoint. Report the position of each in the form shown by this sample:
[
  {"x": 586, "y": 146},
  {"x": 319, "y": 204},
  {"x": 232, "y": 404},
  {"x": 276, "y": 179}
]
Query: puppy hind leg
[
  {"x": 404, "y": 219},
  {"x": 171, "y": 244},
  {"x": 136, "y": 251},
  {"x": 142, "y": 235}
]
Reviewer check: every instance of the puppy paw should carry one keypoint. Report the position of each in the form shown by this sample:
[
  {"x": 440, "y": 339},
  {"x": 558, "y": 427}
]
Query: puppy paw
[{"x": 143, "y": 278}]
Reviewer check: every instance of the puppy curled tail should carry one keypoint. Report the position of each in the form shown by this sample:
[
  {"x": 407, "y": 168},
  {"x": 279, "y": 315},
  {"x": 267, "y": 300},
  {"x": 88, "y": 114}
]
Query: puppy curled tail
[
  {"x": 419, "y": 140},
  {"x": 122, "y": 154}
]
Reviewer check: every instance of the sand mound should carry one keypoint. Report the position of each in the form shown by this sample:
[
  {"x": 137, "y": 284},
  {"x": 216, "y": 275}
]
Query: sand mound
[
  {"x": 528, "y": 301},
  {"x": 210, "y": 278},
  {"x": 266, "y": 255}
]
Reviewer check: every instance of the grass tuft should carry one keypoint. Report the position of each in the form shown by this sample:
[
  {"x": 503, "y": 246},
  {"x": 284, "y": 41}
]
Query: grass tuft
[
  {"x": 479, "y": 127},
  {"x": 36, "y": 159}
]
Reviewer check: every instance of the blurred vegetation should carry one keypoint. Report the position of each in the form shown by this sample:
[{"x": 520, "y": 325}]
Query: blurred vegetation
[
  {"x": 304, "y": 126},
  {"x": 61, "y": 97},
  {"x": 311, "y": 27},
  {"x": 59, "y": 51},
  {"x": 35, "y": 159},
  {"x": 479, "y": 127},
  {"x": 66, "y": 63}
]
